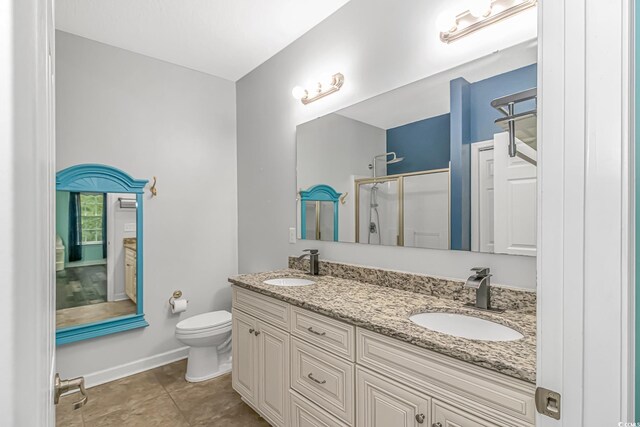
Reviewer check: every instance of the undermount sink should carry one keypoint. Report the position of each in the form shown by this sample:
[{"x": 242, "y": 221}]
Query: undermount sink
[
  {"x": 464, "y": 326},
  {"x": 289, "y": 281}
]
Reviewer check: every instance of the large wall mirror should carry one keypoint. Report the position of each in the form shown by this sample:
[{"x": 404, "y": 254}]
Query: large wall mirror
[
  {"x": 447, "y": 162},
  {"x": 99, "y": 283}
]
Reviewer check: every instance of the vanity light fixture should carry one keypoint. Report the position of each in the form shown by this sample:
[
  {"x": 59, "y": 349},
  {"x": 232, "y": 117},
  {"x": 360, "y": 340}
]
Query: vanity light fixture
[
  {"x": 480, "y": 14},
  {"x": 322, "y": 89}
]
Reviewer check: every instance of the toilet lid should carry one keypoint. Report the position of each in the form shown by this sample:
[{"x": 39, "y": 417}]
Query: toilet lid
[{"x": 205, "y": 321}]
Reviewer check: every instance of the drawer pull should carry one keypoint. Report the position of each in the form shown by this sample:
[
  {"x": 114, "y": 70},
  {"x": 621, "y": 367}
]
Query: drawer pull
[
  {"x": 251, "y": 330},
  {"x": 310, "y": 329},
  {"x": 438, "y": 424},
  {"x": 420, "y": 418},
  {"x": 256, "y": 333},
  {"x": 313, "y": 379}
]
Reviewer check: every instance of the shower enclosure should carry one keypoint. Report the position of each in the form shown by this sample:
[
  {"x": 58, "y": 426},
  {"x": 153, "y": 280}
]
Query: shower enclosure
[{"x": 409, "y": 209}]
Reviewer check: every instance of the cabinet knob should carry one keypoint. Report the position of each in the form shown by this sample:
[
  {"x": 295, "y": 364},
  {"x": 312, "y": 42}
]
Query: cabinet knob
[
  {"x": 438, "y": 424},
  {"x": 251, "y": 330},
  {"x": 420, "y": 418},
  {"x": 256, "y": 333}
]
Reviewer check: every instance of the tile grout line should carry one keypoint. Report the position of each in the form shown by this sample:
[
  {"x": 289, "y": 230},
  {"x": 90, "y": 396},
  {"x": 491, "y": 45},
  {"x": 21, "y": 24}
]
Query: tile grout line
[{"x": 186, "y": 420}]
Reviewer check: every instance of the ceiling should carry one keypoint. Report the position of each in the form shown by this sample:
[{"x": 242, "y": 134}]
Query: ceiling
[
  {"x": 225, "y": 38},
  {"x": 429, "y": 97}
]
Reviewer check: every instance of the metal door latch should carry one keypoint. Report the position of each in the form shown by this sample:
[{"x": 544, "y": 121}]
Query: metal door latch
[
  {"x": 548, "y": 402},
  {"x": 63, "y": 386}
]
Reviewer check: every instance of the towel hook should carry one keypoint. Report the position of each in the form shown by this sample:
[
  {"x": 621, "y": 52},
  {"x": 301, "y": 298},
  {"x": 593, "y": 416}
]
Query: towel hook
[{"x": 153, "y": 189}]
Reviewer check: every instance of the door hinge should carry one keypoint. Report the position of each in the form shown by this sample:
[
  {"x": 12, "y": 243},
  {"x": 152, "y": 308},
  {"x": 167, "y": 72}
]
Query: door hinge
[{"x": 548, "y": 402}]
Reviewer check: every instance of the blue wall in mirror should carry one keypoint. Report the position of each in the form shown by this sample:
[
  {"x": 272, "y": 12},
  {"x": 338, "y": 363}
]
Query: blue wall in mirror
[
  {"x": 423, "y": 144},
  {"x": 434, "y": 142},
  {"x": 96, "y": 178}
]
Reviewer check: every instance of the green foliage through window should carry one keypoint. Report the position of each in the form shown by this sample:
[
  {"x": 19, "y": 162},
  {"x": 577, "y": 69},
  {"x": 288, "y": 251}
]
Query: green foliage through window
[{"x": 91, "y": 209}]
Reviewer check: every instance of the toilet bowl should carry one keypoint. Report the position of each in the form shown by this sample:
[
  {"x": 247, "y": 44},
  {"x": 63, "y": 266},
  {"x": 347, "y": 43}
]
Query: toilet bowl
[{"x": 208, "y": 336}]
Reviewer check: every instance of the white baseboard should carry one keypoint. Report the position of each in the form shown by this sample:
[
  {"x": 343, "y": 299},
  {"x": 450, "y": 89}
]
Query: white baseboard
[{"x": 137, "y": 366}]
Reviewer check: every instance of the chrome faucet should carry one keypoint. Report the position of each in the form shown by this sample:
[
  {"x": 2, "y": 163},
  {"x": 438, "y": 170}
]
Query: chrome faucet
[
  {"x": 481, "y": 283},
  {"x": 313, "y": 260}
]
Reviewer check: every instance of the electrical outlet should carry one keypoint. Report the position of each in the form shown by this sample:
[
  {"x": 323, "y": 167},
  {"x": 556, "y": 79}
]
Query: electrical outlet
[{"x": 292, "y": 235}]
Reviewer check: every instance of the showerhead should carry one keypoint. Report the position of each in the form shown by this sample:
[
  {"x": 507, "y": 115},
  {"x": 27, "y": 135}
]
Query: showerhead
[{"x": 395, "y": 160}]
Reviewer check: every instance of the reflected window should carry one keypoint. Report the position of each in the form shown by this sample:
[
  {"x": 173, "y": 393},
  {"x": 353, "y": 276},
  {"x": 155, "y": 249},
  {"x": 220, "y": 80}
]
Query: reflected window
[{"x": 92, "y": 217}]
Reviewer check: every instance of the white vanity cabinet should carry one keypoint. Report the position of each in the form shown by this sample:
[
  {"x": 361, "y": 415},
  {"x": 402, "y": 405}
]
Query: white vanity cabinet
[
  {"x": 301, "y": 369},
  {"x": 260, "y": 372}
]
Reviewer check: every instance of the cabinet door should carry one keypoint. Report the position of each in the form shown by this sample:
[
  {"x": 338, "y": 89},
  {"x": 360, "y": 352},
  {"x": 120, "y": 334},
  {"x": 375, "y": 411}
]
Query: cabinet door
[
  {"x": 245, "y": 357},
  {"x": 273, "y": 361},
  {"x": 383, "y": 403},
  {"x": 449, "y": 416}
]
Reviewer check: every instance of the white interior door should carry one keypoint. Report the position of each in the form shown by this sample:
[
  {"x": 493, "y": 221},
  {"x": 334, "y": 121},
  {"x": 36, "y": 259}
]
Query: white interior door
[
  {"x": 515, "y": 201},
  {"x": 482, "y": 197}
]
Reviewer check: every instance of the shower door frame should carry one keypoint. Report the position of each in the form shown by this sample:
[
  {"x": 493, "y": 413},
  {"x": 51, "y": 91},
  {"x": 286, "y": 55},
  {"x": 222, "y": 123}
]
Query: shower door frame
[{"x": 399, "y": 178}]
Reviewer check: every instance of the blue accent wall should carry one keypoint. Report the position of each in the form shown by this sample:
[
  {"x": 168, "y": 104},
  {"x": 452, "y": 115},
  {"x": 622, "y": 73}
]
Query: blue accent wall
[
  {"x": 460, "y": 164},
  {"x": 423, "y": 144},
  {"x": 482, "y": 114}
]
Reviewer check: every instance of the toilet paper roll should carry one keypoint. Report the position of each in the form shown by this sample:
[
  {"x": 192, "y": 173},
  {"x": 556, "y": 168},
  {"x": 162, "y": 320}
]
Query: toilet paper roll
[{"x": 179, "y": 305}]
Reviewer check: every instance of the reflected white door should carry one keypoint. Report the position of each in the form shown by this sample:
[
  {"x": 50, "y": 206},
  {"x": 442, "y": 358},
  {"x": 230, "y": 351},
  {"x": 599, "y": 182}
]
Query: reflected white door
[
  {"x": 482, "y": 197},
  {"x": 515, "y": 197}
]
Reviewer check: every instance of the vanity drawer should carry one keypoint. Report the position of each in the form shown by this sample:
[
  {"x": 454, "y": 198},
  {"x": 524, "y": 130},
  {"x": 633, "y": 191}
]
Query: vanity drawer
[
  {"x": 329, "y": 334},
  {"x": 324, "y": 379},
  {"x": 264, "y": 308},
  {"x": 306, "y": 414},
  {"x": 494, "y": 396}
]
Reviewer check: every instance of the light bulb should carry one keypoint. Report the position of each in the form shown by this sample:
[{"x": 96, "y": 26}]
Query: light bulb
[
  {"x": 446, "y": 21},
  {"x": 326, "y": 81},
  {"x": 480, "y": 8},
  {"x": 299, "y": 92}
]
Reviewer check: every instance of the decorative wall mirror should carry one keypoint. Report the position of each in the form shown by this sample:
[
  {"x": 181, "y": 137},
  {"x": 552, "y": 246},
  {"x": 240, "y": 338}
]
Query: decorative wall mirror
[
  {"x": 99, "y": 252},
  {"x": 319, "y": 213}
]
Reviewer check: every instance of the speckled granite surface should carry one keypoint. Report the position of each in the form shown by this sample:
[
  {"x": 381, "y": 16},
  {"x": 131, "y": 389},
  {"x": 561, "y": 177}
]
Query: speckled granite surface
[
  {"x": 501, "y": 297},
  {"x": 386, "y": 310}
]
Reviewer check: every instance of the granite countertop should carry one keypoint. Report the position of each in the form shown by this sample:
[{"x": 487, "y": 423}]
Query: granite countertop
[{"x": 387, "y": 310}]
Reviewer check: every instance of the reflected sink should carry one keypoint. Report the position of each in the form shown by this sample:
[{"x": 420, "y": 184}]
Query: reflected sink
[
  {"x": 463, "y": 326},
  {"x": 288, "y": 281}
]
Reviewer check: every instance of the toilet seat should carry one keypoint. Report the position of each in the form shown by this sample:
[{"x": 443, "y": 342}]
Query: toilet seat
[{"x": 215, "y": 321}]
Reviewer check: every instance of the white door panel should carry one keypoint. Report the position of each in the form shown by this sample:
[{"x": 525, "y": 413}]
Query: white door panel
[{"x": 515, "y": 198}]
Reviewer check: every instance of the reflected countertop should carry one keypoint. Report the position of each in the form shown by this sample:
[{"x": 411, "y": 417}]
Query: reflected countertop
[
  {"x": 129, "y": 242},
  {"x": 387, "y": 310}
]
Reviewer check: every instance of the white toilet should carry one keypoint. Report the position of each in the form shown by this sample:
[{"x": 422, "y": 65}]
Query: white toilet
[{"x": 209, "y": 337}]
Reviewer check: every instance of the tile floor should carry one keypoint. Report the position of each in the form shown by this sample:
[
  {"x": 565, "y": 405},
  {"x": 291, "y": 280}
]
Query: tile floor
[
  {"x": 78, "y": 286},
  {"x": 160, "y": 397}
]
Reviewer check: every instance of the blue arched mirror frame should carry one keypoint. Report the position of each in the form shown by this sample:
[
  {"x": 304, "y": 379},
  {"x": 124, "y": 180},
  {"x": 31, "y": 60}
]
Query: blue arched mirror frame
[
  {"x": 96, "y": 178},
  {"x": 319, "y": 193}
]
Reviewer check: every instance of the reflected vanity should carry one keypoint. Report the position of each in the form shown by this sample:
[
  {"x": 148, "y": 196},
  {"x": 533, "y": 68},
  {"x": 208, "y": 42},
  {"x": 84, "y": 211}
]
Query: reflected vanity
[
  {"x": 99, "y": 283},
  {"x": 430, "y": 164}
]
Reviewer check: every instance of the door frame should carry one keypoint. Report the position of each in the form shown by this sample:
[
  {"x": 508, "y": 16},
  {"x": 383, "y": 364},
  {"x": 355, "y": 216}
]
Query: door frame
[
  {"x": 584, "y": 327},
  {"x": 27, "y": 216},
  {"x": 476, "y": 148}
]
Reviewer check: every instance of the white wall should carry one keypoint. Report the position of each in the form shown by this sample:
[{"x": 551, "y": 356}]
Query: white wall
[
  {"x": 378, "y": 47},
  {"x": 333, "y": 150},
  {"x": 151, "y": 118}
]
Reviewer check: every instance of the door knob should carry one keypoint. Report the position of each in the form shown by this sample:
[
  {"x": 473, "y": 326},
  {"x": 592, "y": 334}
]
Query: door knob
[
  {"x": 63, "y": 386},
  {"x": 420, "y": 418}
]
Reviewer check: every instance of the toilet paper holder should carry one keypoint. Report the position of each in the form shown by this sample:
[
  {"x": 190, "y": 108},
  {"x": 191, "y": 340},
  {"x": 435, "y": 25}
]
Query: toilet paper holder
[{"x": 175, "y": 296}]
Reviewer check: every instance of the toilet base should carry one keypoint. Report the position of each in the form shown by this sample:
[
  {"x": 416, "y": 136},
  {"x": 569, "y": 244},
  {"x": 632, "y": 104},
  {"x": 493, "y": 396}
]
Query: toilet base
[{"x": 205, "y": 363}]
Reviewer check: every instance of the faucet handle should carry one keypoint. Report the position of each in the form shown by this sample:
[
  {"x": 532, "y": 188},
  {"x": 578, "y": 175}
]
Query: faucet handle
[
  {"x": 311, "y": 251},
  {"x": 481, "y": 271}
]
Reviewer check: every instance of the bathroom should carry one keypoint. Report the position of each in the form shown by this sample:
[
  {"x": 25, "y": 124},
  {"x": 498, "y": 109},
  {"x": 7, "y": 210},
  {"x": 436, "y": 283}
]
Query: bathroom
[{"x": 267, "y": 213}]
